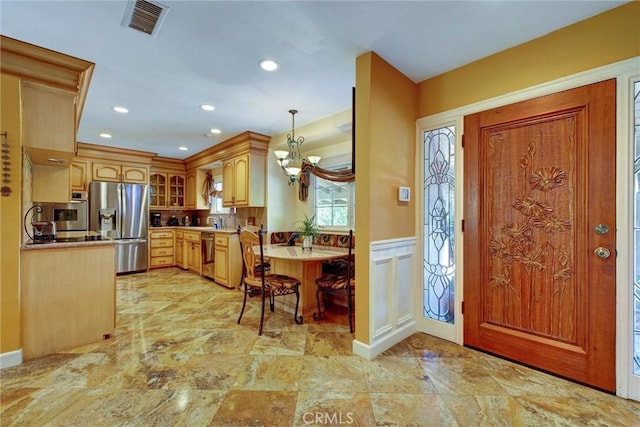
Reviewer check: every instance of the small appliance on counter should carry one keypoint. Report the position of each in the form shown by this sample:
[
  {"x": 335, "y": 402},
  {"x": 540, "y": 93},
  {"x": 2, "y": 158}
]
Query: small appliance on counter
[
  {"x": 186, "y": 221},
  {"x": 156, "y": 219},
  {"x": 173, "y": 221},
  {"x": 195, "y": 220},
  {"x": 44, "y": 230}
]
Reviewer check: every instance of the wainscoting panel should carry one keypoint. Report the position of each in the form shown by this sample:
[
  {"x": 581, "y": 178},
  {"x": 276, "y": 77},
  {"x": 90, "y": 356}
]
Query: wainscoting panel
[{"x": 392, "y": 291}]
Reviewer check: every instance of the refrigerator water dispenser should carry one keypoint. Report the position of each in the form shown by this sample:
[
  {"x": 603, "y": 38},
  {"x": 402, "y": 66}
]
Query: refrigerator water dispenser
[{"x": 107, "y": 220}]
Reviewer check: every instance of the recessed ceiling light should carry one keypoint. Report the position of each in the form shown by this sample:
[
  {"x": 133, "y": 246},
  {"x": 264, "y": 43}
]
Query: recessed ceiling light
[
  {"x": 122, "y": 110},
  {"x": 182, "y": 148},
  {"x": 207, "y": 107},
  {"x": 216, "y": 131},
  {"x": 268, "y": 64},
  {"x": 105, "y": 135}
]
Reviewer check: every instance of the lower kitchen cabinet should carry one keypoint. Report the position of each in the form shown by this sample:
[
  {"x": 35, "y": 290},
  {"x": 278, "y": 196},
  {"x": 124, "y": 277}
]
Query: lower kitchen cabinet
[
  {"x": 65, "y": 306},
  {"x": 192, "y": 255},
  {"x": 179, "y": 249},
  {"x": 161, "y": 253},
  {"x": 228, "y": 263}
]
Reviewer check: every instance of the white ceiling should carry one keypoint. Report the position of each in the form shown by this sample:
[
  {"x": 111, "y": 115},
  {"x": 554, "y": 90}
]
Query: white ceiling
[{"x": 207, "y": 52}]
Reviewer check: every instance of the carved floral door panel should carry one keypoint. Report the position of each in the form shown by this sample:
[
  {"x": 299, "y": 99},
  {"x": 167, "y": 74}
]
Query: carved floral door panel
[{"x": 539, "y": 201}]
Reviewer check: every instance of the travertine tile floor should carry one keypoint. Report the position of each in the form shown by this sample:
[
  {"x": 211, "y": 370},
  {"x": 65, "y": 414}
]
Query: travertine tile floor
[{"x": 179, "y": 358}]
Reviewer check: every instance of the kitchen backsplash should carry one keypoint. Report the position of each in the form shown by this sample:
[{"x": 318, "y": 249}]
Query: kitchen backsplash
[{"x": 242, "y": 216}]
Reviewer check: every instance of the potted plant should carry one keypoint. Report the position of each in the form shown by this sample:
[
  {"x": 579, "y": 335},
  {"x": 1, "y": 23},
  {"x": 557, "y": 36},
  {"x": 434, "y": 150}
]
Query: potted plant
[{"x": 308, "y": 230}]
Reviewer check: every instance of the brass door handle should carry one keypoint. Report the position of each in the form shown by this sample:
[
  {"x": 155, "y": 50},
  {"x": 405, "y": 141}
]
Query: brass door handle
[{"x": 602, "y": 252}]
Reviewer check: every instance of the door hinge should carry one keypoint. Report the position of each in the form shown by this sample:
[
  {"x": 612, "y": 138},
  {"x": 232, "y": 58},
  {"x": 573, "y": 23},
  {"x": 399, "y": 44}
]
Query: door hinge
[
  {"x": 463, "y": 141},
  {"x": 462, "y": 307},
  {"x": 463, "y": 225}
]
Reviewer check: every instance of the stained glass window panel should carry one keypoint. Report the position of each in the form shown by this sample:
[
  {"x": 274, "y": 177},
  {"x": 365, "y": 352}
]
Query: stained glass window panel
[
  {"x": 439, "y": 219},
  {"x": 636, "y": 226}
]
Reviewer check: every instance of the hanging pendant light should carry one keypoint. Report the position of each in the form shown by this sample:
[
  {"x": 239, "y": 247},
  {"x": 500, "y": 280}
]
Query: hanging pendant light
[{"x": 292, "y": 161}]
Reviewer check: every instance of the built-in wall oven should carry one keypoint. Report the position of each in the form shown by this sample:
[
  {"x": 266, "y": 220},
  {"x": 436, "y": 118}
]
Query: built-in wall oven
[
  {"x": 207, "y": 241},
  {"x": 67, "y": 216}
]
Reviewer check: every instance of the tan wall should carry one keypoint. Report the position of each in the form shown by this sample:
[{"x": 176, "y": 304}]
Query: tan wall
[
  {"x": 603, "y": 39},
  {"x": 386, "y": 105},
  {"x": 10, "y": 219}
]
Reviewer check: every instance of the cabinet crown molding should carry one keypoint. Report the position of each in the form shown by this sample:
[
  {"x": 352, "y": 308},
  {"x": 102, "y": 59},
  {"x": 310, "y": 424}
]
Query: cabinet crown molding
[
  {"x": 240, "y": 144},
  {"x": 35, "y": 63}
]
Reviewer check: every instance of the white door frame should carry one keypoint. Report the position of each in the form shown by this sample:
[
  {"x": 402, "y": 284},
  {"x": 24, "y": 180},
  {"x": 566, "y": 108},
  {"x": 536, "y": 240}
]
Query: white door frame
[{"x": 627, "y": 385}]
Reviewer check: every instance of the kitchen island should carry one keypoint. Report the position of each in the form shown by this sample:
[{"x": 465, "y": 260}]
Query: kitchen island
[{"x": 67, "y": 295}]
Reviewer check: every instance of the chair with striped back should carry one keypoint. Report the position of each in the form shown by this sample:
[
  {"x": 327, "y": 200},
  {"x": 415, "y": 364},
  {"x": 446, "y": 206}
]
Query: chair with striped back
[
  {"x": 340, "y": 283},
  {"x": 267, "y": 261},
  {"x": 259, "y": 282}
]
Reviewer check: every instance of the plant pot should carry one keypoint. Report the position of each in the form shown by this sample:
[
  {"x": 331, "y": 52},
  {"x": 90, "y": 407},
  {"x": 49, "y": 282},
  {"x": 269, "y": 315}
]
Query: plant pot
[{"x": 307, "y": 242}]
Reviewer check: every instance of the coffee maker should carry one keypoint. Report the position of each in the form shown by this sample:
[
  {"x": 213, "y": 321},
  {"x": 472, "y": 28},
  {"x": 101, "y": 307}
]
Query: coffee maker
[{"x": 156, "y": 219}]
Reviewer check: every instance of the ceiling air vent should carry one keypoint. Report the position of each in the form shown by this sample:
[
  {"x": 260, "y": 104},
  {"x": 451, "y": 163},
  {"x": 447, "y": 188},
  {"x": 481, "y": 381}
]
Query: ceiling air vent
[{"x": 145, "y": 16}]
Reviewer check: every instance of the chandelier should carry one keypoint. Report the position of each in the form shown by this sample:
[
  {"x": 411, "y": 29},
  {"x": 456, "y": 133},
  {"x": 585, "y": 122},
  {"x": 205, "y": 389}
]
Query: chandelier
[{"x": 292, "y": 161}]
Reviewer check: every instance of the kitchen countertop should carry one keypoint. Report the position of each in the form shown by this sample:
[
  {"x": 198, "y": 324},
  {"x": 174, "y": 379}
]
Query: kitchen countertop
[
  {"x": 66, "y": 245},
  {"x": 208, "y": 229}
]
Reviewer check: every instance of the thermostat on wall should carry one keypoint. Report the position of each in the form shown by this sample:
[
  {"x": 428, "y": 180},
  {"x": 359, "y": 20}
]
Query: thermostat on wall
[{"x": 404, "y": 194}]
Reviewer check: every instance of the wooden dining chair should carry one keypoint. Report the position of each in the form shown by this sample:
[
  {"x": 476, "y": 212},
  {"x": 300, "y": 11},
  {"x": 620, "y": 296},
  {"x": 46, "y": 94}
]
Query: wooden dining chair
[
  {"x": 341, "y": 283},
  {"x": 266, "y": 284},
  {"x": 262, "y": 267}
]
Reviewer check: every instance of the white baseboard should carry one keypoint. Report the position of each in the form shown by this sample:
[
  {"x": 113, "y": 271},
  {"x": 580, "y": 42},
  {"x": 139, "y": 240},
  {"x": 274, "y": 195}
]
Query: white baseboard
[
  {"x": 378, "y": 347},
  {"x": 11, "y": 358}
]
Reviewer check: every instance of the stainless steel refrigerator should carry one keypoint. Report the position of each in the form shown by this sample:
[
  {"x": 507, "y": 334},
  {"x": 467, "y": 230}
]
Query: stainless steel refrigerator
[{"x": 120, "y": 212}]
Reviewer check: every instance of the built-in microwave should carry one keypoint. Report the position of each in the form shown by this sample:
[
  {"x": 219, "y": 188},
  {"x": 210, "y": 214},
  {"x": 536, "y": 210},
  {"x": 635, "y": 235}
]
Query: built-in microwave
[{"x": 67, "y": 216}]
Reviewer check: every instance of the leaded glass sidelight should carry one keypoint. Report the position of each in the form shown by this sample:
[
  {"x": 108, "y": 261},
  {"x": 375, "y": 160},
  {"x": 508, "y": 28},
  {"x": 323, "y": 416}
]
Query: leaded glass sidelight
[
  {"x": 636, "y": 230},
  {"x": 439, "y": 217}
]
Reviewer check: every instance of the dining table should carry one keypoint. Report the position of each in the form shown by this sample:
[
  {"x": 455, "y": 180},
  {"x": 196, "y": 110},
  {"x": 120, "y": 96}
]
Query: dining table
[{"x": 306, "y": 266}]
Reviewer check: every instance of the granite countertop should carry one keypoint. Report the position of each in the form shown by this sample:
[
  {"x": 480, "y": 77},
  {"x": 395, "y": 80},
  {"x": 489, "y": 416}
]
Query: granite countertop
[
  {"x": 66, "y": 245},
  {"x": 208, "y": 229}
]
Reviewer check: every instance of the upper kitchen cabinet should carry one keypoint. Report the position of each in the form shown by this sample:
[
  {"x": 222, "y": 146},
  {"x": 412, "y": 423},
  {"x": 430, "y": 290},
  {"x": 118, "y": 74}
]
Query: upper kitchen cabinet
[
  {"x": 113, "y": 164},
  {"x": 48, "y": 123},
  {"x": 168, "y": 183},
  {"x": 195, "y": 190},
  {"x": 120, "y": 173},
  {"x": 79, "y": 180},
  {"x": 167, "y": 190},
  {"x": 244, "y": 169},
  {"x": 192, "y": 192},
  {"x": 53, "y": 90},
  {"x": 243, "y": 180}
]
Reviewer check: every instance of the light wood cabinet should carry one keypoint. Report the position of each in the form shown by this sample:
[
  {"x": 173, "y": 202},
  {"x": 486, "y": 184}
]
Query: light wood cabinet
[
  {"x": 158, "y": 184},
  {"x": 64, "y": 307},
  {"x": 161, "y": 253},
  {"x": 120, "y": 173},
  {"x": 228, "y": 267},
  {"x": 195, "y": 181},
  {"x": 50, "y": 184},
  {"x": 243, "y": 181},
  {"x": 192, "y": 248},
  {"x": 192, "y": 191},
  {"x": 48, "y": 123},
  {"x": 177, "y": 191},
  {"x": 79, "y": 175},
  {"x": 179, "y": 249},
  {"x": 167, "y": 190}
]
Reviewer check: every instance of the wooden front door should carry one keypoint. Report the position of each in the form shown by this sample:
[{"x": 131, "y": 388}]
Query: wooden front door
[{"x": 539, "y": 209}]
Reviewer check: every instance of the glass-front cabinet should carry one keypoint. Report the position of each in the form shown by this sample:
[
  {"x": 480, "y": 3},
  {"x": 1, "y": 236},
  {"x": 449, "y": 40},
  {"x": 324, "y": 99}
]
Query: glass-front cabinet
[
  {"x": 176, "y": 191},
  {"x": 167, "y": 190},
  {"x": 158, "y": 184}
]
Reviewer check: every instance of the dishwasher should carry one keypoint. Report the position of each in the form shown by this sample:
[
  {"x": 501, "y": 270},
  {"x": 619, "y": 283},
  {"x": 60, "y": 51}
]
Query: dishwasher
[{"x": 207, "y": 242}]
